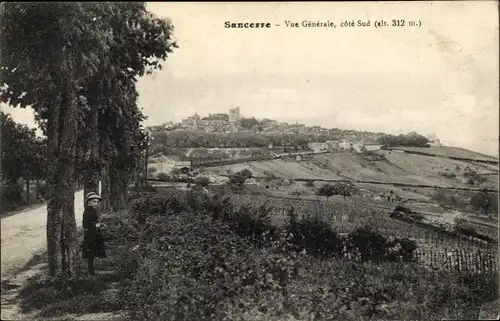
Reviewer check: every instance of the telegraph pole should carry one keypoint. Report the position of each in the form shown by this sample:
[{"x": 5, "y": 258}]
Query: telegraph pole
[{"x": 146, "y": 160}]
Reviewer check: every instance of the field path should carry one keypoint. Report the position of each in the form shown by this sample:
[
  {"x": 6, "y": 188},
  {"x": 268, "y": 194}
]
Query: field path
[{"x": 23, "y": 236}]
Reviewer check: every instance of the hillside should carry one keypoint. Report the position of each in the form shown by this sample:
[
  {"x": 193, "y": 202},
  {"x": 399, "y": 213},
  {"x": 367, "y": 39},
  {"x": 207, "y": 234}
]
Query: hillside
[
  {"x": 449, "y": 151},
  {"x": 392, "y": 168}
]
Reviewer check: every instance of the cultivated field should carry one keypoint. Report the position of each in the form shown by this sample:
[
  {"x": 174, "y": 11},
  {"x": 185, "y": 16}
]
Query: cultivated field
[
  {"x": 393, "y": 168},
  {"x": 450, "y": 152},
  {"x": 436, "y": 249}
]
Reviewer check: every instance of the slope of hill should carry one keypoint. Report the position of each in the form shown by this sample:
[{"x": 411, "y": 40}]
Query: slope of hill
[
  {"x": 450, "y": 152},
  {"x": 393, "y": 168}
]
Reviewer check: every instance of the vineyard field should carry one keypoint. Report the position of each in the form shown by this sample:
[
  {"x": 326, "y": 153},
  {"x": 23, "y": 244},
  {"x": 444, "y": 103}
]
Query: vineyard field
[{"x": 435, "y": 249}]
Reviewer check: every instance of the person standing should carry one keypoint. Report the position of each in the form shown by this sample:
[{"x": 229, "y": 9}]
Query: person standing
[{"x": 93, "y": 240}]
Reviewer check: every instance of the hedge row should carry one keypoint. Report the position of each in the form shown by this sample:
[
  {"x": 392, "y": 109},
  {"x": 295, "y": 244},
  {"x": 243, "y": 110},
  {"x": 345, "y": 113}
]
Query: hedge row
[{"x": 308, "y": 234}]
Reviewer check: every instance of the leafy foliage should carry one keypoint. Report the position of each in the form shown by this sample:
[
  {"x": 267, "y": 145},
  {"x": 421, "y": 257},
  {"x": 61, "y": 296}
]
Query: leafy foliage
[
  {"x": 76, "y": 65},
  {"x": 193, "y": 139},
  {"x": 249, "y": 123},
  {"x": 162, "y": 176},
  {"x": 329, "y": 190},
  {"x": 197, "y": 266},
  {"x": 485, "y": 202},
  {"x": 447, "y": 199},
  {"x": 238, "y": 179},
  {"x": 375, "y": 247},
  {"x": 11, "y": 195},
  {"x": 473, "y": 178},
  {"x": 411, "y": 139},
  {"x": 202, "y": 181},
  {"x": 23, "y": 154}
]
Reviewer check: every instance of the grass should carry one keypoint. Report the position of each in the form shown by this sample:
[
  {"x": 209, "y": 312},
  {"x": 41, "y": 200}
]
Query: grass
[
  {"x": 89, "y": 294},
  {"x": 450, "y": 151}
]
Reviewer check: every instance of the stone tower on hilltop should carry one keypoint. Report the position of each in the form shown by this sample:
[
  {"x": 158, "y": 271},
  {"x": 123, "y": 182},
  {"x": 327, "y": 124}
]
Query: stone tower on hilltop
[{"x": 234, "y": 115}]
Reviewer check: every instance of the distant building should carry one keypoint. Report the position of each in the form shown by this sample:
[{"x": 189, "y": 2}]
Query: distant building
[
  {"x": 333, "y": 145},
  {"x": 213, "y": 120},
  {"x": 373, "y": 147},
  {"x": 318, "y": 147},
  {"x": 234, "y": 115},
  {"x": 192, "y": 121},
  {"x": 433, "y": 140},
  {"x": 345, "y": 145},
  {"x": 435, "y": 143},
  {"x": 172, "y": 161},
  {"x": 358, "y": 147}
]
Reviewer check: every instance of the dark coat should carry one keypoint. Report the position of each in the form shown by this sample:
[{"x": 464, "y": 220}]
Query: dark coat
[{"x": 93, "y": 240}]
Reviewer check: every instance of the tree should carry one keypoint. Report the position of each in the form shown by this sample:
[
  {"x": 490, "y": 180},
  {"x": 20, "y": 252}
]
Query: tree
[
  {"x": 18, "y": 149},
  {"x": 249, "y": 123},
  {"x": 238, "y": 179},
  {"x": 446, "y": 198},
  {"x": 22, "y": 158},
  {"x": 485, "y": 202},
  {"x": 52, "y": 48},
  {"x": 54, "y": 51},
  {"x": 139, "y": 42},
  {"x": 327, "y": 190},
  {"x": 411, "y": 139},
  {"x": 344, "y": 189}
]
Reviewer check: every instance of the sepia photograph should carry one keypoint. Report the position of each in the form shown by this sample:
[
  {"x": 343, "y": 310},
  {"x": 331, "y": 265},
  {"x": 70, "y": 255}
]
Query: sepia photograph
[{"x": 249, "y": 161}]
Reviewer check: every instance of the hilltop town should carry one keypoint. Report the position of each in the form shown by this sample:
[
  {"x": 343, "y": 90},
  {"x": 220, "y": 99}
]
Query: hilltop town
[{"x": 319, "y": 137}]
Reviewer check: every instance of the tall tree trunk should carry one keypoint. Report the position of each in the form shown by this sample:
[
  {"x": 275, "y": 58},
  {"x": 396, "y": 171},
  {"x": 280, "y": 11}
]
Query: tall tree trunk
[
  {"x": 118, "y": 187},
  {"x": 37, "y": 188},
  {"x": 92, "y": 171},
  {"x": 28, "y": 200},
  {"x": 105, "y": 192},
  {"x": 54, "y": 211},
  {"x": 69, "y": 244},
  {"x": 124, "y": 180},
  {"x": 62, "y": 242}
]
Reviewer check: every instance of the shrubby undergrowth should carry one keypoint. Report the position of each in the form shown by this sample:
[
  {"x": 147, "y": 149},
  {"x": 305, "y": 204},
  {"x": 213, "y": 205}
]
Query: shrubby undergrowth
[
  {"x": 191, "y": 256},
  {"x": 202, "y": 258}
]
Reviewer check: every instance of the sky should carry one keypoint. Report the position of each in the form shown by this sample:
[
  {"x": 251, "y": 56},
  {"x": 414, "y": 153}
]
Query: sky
[{"x": 440, "y": 78}]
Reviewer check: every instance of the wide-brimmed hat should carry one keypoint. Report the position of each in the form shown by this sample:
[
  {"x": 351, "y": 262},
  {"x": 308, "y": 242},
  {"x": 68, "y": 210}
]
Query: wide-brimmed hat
[{"x": 92, "y": 196}]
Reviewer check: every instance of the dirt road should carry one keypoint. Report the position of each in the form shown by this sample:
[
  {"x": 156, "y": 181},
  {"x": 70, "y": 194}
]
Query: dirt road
[{"x": 23, "y": 235}]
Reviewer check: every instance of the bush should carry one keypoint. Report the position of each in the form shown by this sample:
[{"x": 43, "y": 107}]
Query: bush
[
  {"x": 449, "y": 174},
  {"x": 372, "y": 246},
  {"x": 164, "y": 177},
  {"x": 202, "y": 181},
  {"x": 153, "y": 205},
  {"x": 141, "y": 189},
  {"x": 201, "y": 264},
  {"x": 43, "y": 190},
  {"x": 309, "y": 184},
  {"x": 238, "y": 179},
  {"x": 121, "y": 229},
  {"x": 196, "y": 268},
  {"x": 411, "y": 139},
  {"x": 329, "y": 190},
  {"x": 399, "y": 208},
  {"x": 484, "y": 202},
  {"x": 313, "y": 235},
  {"x": 11, "y": 195}
]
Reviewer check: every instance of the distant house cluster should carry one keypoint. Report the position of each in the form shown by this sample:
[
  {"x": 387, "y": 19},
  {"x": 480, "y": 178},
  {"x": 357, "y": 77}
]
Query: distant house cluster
[
  {"x": 232, "y": 122},
  {"x": 356, "y": 146},
  {"x": 434, "y": 141}
]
